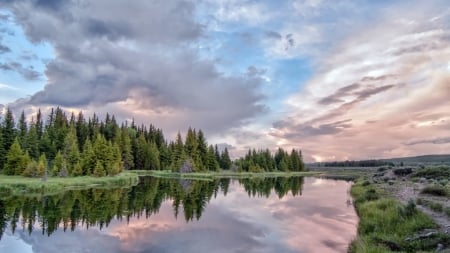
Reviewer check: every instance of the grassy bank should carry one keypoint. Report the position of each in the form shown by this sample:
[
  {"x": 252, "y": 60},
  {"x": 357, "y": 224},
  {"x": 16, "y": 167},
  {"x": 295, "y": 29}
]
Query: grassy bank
[
  {"x": 18, "y": 185},
  {"x": 220, "y": 174},
  {"x": 386, "y": 225}
]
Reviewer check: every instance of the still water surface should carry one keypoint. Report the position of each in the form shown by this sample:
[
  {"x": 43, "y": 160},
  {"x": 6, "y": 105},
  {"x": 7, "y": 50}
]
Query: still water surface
[{"x": 161, "y": 215}]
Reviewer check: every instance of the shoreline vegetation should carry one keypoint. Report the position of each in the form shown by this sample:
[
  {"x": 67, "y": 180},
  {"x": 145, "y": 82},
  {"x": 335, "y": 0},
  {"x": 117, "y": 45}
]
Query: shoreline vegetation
[
  {"x": 20, "y": 185},
  {"x": 401, "y": 209},
  {"x": 62, "y": 146}
]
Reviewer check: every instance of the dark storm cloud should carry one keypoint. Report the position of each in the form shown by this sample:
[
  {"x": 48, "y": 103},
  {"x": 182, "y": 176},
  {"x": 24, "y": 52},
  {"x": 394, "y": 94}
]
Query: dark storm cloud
[
  {"x": 110, "y": 51},
  {"x": 27, "y": 73}
]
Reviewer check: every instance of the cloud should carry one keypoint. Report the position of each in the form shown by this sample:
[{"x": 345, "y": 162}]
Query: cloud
[
  {"x": 391, "y": 80},
  {"x": 440, "y": 140},
  {"x": 273, "y": 35},
  {"x": 4, "y": 49},
  {"x": 145, "y": 66},
  {"x": 27, "y": 73}
]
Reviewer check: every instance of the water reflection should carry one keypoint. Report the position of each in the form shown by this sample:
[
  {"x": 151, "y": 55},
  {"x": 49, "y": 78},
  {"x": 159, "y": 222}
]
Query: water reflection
[{"x": 262, "y": 215}]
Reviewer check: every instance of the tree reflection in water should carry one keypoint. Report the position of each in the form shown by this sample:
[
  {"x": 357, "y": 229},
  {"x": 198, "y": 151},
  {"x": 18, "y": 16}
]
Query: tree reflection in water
[{"x": 98, "y": 207}]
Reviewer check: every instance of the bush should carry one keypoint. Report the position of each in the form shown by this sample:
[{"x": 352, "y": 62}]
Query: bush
[
  {"x": 403, "y": 171},
  {"x": 441, "y": 172},
  {"x": 435, "y": 190},
  {"x": 437, "y": 207}
]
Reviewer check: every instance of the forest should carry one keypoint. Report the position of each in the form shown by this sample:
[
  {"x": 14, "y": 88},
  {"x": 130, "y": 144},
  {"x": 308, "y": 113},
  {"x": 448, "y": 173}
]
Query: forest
[{"x": 62, "y": 145}]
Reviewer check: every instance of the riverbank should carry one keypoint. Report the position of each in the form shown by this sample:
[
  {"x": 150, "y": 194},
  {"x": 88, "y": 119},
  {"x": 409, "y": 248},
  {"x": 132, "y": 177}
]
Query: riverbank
[
  {"x": 221, "y": 174},
  {"x": 400, "y": 209},
  {"x": 19, "y": 185}
]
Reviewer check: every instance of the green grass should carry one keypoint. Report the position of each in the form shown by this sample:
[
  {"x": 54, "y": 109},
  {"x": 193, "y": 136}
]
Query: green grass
[
  {"x": 220, "y": 174},
  {"x": 437, "y": 173},
  {"x": 435, "y": 190},
  {"x": 435, "y": 206},
  {"x": 385, "y": 223},
  {"x": 18, "y": 185}
]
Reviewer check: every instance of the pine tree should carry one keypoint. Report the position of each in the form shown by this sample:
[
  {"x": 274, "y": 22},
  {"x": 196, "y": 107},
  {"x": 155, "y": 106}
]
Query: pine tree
[
  {"x": 99, "y": 171},
  {"x": 70, "y": 150},
  {"x": 47, "y": 146},
  {"x": 2, "y": 151},
  {"x": 82, "y": 130},
  {"x": 42, "y": 166},
  {"x": 203, "y": 150},
  {"x": 125, "y": 148},
  {"x": 154, "y": 157},
  {"x": 142, "y": 154},
  {"x": 77, "y": 170},
  {"x": 26, "y": 159},
  {"x": 88, "y": 158},
  {"x": 225, "y": 160},
  {"x": 178, "y": 154},
  {"x": 211, "y": 162},
  {"x": 23, "y": 128},
  {"x": 58, "y": 164},
  {"x": 8, "y": 133},
  {"x": 31, "y": 142},
  {"x": 14, "y": 159}
]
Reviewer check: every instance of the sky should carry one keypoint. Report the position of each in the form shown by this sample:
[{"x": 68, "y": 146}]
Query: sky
[{"x": 337, "y": 79}]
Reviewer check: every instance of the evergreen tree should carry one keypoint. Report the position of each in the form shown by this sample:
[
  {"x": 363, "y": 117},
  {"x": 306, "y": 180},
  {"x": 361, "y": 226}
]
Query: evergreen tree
[
  {"x": 70, "y": 150},
  {"x": 178, "y": 154},
  {"x": 2, "y": 151},
  {"x": 211, "y": 162},
  {"x": 154, "y": 157},
  {"x": 14, "y": 159},
  {"x": 31, "y": 142},
  {"x": 99, "y": 171},
  {"x": 125, "y": 148},
  {"x": 47, "y": 146},
  {"x": 42, "y": 166},
  {"x": 225, "y": 161},
  {"x": 9, "y": 132},
  {"x": 22, "y": 128},
  {"x": 58, "y": 164},
  {"x": 203, "y": 150},
  {"x": 88, "y": 158}
]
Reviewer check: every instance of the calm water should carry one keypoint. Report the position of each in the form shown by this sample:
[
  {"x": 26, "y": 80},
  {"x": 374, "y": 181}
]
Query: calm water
[{"x": 162, "y": 215}]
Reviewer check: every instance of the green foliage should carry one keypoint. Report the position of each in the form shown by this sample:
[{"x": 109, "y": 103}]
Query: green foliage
[
  {"x": 14, "y": 159},
  {"x": 58, "y": 164},
  {"x": 75, "y": 146},
  {"x": 435, "y": 190},
  {"x": 262, "y": 160},
  {"x": 438, "y": 173},
  {"x": 99, "y": 170},
  {"x": 385, "y": 224}
]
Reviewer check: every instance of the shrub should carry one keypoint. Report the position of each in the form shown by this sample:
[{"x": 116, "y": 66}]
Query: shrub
[
  {"x": 437, "y": 207},
  {"x": 435, "y": 190},
  {"x": 441, "y": 172}
]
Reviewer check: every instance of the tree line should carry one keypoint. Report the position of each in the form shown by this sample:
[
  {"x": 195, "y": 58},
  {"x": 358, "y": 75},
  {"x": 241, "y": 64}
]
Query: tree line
[{"x": 62, "y": 145}]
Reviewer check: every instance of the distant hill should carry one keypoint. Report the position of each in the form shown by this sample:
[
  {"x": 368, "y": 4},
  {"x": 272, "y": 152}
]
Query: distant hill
[
  {"x": 421, "y": 159},
  {"x": 414, "y": 160}
]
